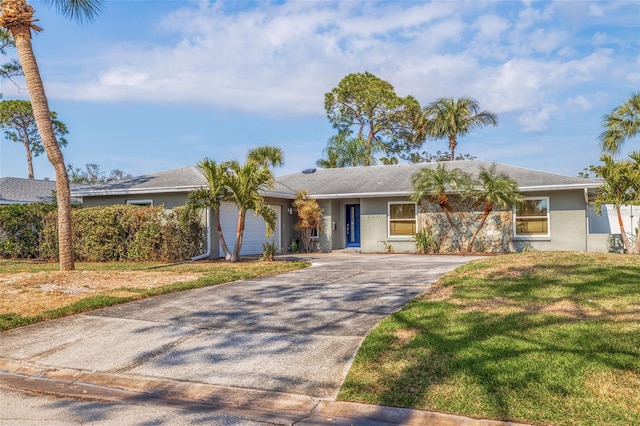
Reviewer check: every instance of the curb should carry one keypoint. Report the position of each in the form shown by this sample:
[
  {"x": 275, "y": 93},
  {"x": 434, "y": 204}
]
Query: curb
[{"x": 250, "y": 404}]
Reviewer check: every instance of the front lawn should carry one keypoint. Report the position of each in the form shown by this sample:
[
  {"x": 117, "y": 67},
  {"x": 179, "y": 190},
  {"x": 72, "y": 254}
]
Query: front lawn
[
  {"x": 34, "y": 291},
  {"x": 542, "y": 338}
]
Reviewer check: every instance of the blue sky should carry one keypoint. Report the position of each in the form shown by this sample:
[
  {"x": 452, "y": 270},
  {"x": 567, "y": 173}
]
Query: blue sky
[{"x": 156, "y": 85}]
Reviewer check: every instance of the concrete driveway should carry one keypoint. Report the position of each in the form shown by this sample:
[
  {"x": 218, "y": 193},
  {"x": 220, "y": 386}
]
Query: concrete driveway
[{"x": 273, "y": 348}]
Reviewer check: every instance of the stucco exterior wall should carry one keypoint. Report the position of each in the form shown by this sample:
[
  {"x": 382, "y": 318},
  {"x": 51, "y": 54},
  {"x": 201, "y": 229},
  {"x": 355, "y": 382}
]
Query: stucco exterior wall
[
  {"x": 374, "y": 227},
  {"x": 567, "y": 224},
  {"x": 335, "y": 223},
  {"x": 332, "y": 236},
  {"x": 287, "y": 221},
  {"x": 338, "y": 218},
  {"x": 373, "y": 224}
]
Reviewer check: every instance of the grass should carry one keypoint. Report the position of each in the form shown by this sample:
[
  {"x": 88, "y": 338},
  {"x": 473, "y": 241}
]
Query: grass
[
  {"x": 541, "y": 338},
  {"x": 26, "y": 286}
]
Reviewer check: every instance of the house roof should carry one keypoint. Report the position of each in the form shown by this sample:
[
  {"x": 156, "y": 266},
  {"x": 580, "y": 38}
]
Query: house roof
[
  {"x": 372, "y": 181},
  {"x": 20, "y": 190},
  {"x": 395, "y": 180},
  {"x": 184, "y": 179}
]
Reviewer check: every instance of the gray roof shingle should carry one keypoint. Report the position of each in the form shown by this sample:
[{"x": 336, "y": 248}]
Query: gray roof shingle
[
  {"x": 177, "y": 180},
  {"x": 20, "y": 190},
  {"x": 396, "y": 179},
  {"x": 336, "y": 183}
]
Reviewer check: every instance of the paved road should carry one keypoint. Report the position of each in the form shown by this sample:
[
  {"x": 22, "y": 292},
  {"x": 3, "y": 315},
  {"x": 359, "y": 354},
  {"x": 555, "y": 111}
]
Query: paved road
[
  {"x": 20, "y": 409},
  {"x": 270, "y": 349}
]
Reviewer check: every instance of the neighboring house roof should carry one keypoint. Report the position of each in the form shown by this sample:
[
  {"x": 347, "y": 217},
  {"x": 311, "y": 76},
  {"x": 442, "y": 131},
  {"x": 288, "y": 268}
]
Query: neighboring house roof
[
  {"x": 395, "y": 180},
  {"x": 372, "y": 181},
  {"x": 185, "y": 179},
  {"x": 20, "y": 190}
]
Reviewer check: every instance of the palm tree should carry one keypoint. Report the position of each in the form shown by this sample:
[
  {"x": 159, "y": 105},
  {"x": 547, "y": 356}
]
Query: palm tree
[
  {"x": 623, "y": 123},
  {"x": 435, "y": 185},
  {"x": 212, "y": 196},
  {"x": 620, "y": 187},
  {"x": 331, "y": 161},
  {"x": 268, "y": 156},
  {"x": 17, "y": 18},
  {"x": 246, "y": 182},
  {"x": 344, "y": 150},
  {"x": 495, "y": 190},
  {"x": 450, "y": 118}
]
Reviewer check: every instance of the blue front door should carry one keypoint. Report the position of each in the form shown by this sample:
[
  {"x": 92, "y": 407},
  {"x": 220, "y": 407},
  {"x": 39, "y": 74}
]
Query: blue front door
[{"x": 353, "y": 225}]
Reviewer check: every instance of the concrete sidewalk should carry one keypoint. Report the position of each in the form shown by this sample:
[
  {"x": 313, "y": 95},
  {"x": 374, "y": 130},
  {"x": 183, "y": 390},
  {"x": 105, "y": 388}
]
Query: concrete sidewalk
[{"x": 273, "y": 349}]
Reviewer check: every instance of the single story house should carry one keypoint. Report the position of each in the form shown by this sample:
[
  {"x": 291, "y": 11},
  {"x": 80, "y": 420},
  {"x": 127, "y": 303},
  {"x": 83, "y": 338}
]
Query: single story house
[{"x": 368, "y": 208}]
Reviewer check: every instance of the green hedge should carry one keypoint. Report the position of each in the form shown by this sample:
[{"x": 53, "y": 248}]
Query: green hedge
[
  {"x": 123, "y": 233},
  {"x": 20, "y": 229}
]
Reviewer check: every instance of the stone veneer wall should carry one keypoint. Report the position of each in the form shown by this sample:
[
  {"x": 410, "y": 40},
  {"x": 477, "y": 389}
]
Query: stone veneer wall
[{"x": 496, "y": 235}]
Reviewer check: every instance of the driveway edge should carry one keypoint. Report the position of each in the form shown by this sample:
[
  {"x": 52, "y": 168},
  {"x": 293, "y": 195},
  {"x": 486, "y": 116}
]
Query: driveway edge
[{"x": 250, "y": 404}]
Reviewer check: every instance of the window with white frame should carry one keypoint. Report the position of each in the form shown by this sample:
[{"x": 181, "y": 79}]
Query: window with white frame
[
  {"x": 532, "y": 218},
  {"x": 402, "y": 219},
  {"x": 140, "y": 202}
]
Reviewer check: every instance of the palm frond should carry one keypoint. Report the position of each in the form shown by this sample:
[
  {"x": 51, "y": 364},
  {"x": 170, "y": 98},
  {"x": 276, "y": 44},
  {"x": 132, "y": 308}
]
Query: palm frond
[{"x": 78, "y": 10}]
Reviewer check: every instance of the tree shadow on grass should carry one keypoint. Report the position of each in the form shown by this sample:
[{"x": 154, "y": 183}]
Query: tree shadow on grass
[{"x": 519, "y": 366}]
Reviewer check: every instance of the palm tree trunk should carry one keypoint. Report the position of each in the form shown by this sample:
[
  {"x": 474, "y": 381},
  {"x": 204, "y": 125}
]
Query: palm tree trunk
[
  {"x": 455, "y": 230},
  {"x": 625, "y": 238},
  {"x": 452, "y": 147},
  {"x": 223, "y": 243},
  {"x": 239, "y": 233},
  {"x": 487, "y": 211},
  {"x": 42, "y": 114},
  {"x": 29, "y": 160}
]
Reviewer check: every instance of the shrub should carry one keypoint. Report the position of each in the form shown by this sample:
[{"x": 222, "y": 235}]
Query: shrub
[
  {"x": 183, "y": 235},
  {"x": 127, "y": 232},
  {"x": 268, "y": 251},
  {"x": 310, "y": 216},
  {"x": 387, "y": 246},
  {"x": 425, "y": 241},
  {"x": 20, "y": 229}
]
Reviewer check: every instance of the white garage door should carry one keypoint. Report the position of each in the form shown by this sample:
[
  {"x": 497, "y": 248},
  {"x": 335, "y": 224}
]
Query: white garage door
[{"x": 254, "y": 230}]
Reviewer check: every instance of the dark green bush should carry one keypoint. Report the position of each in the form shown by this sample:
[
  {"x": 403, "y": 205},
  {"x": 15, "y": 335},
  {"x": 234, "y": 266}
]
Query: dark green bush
[
  {"x": 128, "y": 232},
  {"x": 20, "y": 229},
  {"x": 101, "y": 233},
  {"x": 183, "y": 235}
]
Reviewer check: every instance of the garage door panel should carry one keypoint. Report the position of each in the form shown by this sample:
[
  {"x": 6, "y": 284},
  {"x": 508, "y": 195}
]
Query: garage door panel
[{"x": 254, "y": 235}]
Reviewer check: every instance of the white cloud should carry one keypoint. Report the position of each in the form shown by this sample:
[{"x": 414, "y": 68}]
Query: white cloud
[
  {"x": 280, "y": 59},
  {"x": 598, "y": 39},
  {"x": 546, "y": 41},
  {"x": 490, "y": 27},
  {"x": 595, "y": 10},
  {"x": 579, "y": 102},
  {"x": 537, "y": 120},
  {"x": 530, "y": 16}
]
